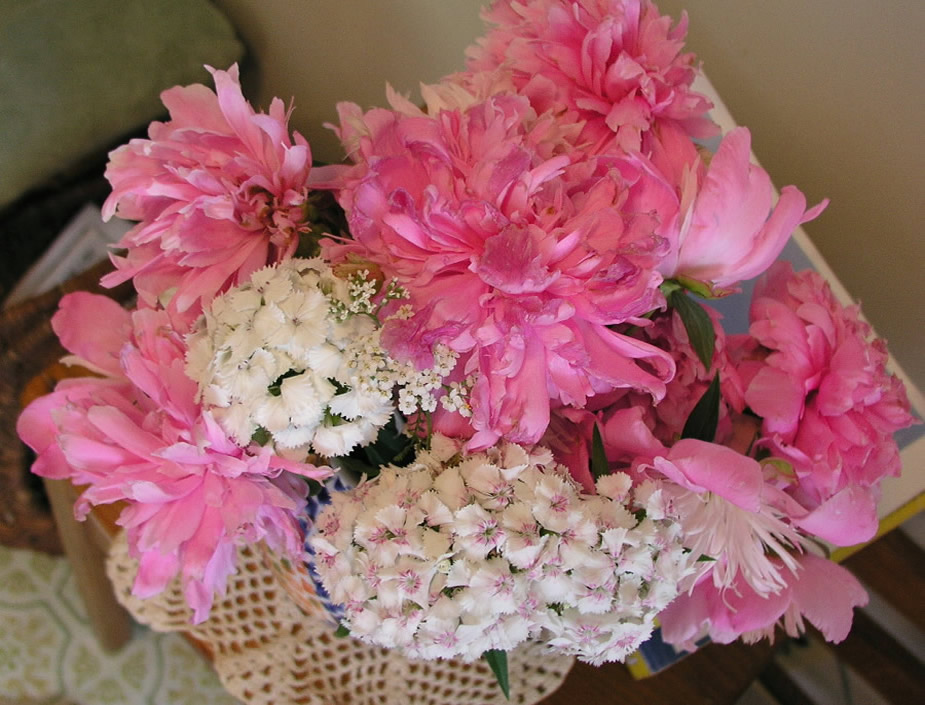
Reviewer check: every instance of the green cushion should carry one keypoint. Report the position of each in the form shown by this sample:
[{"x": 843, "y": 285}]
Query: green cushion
[{"x": 76, "y": 76}]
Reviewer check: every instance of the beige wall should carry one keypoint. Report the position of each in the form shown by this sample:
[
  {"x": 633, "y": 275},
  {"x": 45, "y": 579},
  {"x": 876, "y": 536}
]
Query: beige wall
[
  {"x": 324, "y": 51},
  {"x": 833, "y": 91}
]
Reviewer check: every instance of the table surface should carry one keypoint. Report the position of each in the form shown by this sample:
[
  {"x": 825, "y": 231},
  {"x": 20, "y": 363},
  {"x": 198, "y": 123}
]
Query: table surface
[{"x": 714, "y": 675}]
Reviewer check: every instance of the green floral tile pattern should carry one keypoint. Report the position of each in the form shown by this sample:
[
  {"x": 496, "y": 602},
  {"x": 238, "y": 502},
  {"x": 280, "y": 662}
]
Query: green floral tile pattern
[
  {"x": 48, "y": 653},
  {"x": 30, "y": 646}
]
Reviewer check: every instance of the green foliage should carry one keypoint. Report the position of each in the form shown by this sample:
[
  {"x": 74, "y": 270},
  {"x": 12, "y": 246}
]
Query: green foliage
[
  {"x": 704, "y": 417},
  {"x": 599, "y": 466},
  {"x": 697, "y": 323},
  {"x": 497, "y": 661}
]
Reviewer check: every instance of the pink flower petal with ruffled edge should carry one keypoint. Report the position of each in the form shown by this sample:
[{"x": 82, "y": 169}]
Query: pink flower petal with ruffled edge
[
  {"x": 236, "y": 109},
  {"x": 778, "y": 398},
  {"x": 155, "y": 570},
  {"x": 846, "y": 518},
  {"x": 820, "y": 591},
  {"x": 88, "y": 453},
  {"x": 625, "y": 429},
  {"x": 740, "y": 609},
  {"x": 826, "y": 594},
  {"x": 94, "y": 328},
  {"x": 38, "y": 431},
  {"x": 683, "y": 620},
  {"x": 730, "y": 237},
  {"x": 194, "y": 107},
  {"x": 701, "y": 466},
  {"x": 175, "y": 523},
  {"x": 123, "y": 431}
]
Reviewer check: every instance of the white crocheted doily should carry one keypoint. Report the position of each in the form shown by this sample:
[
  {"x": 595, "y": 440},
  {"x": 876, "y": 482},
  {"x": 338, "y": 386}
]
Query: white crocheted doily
[{"x": 268, "y": 652}]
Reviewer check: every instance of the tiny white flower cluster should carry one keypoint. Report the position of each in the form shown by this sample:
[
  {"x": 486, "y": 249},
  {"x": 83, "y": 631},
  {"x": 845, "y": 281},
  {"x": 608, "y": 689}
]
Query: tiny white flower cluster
[
  {"x": 293, "y": 357},
  {"x": 361, "y": 294},
  {"x": 457, "y": 397},
  {"x": 451, "y": 557},
  {"x": 373, "y": 371}
]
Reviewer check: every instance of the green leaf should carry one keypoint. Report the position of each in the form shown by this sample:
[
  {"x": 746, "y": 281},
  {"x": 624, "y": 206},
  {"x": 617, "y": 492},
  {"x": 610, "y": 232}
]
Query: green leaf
[
  {"x": 697, "y": 323},
  {"x": 704, "y": 417},
  {"x": 599, "y": 466},
  {"x": 342, "y": 631},
  {"x": 392, "y": 446},
  {"x": 497, "y": 661},
  {"x": 314, "y": 487},
  {"x": 261, "y": 436}
]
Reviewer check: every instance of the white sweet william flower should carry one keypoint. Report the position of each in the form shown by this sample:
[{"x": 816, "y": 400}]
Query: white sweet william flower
[
  {"x": 478, "y": 531},
  {"x": 616, "y": 486},
  {"x": 461, "y": 555},
  {"x": 292, "y": 357},
  {"x": 339, "y": 439},
  {"x": 596, "y": 638},
  {"x": 524, "y": 541}
]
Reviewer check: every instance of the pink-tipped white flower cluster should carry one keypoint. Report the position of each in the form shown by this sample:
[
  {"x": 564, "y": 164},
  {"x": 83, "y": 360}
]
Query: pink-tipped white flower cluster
[{"x": 453, "y": 556}]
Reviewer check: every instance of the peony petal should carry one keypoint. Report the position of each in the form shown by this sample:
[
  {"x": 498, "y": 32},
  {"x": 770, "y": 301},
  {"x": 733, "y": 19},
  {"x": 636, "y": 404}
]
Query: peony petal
[
  {"x": 155, "y": 570},
  {"x": 723, "y": 471},
  {"x": 847, "y": 518},
  {"x": 778, "y": 398},
  {"x": 88, "y": 453},
  {"x": 110, "y": 324},
  {"x": 123, "y": 431},
  {"x": 744, "y": 610},
  {"x": 826, "y": 594}
]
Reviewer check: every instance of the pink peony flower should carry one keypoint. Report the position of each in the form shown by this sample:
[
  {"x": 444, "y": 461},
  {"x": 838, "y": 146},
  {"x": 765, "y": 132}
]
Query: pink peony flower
[
  {"x": 632, "y": 423},
  {"x": 522, "y": 263},
  {"x": 137, "y": 436},
  {"x": 731, "y": 510},
  {"x": 731, "y": 514},
  {"x": 727, "y": 235},
  {"x": 820, "y": 591},
  {"x": 828, "y": 404},
  {"x": 615, "y": 65},
  {"x": 220, "y": 191}
]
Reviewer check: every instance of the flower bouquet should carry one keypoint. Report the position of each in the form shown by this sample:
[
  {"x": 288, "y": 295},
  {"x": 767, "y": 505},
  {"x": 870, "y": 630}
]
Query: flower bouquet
[{"x": 494, "y": 318}]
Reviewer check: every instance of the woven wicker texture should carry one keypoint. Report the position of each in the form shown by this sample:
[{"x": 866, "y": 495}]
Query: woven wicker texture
[
  {"x": 268, "y": 652},
  {"x": 28, "y": 349}
]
